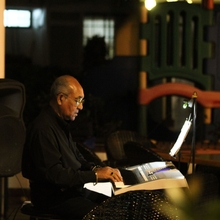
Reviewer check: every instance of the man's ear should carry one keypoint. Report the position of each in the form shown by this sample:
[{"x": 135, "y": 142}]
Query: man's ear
[{"x": 60, "y": 98}]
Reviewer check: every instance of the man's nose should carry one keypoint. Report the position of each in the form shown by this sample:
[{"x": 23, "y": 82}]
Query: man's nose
[{"x": 80, "y": 106}]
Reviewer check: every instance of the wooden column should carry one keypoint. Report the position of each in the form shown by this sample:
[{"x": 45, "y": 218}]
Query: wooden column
[
  {"x": 2, "y": 40},
  {"x": 209, "y": 5},
  {"x": 142, "y": 117},
  {"x": 2, "y": 75}
]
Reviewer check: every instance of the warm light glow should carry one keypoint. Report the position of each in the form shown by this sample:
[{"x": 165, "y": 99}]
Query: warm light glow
[{"x": 149, "y": 4}]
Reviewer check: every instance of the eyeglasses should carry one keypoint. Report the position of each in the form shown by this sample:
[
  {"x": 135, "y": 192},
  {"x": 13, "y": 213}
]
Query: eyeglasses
[{"x": 78, "y": 100}]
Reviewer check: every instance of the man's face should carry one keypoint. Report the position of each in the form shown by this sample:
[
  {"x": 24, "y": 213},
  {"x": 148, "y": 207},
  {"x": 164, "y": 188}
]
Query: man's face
[{"x": 71, "y": 104}]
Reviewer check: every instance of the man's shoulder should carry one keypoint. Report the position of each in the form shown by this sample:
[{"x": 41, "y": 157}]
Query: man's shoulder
[{"x": 44, "y": 120}]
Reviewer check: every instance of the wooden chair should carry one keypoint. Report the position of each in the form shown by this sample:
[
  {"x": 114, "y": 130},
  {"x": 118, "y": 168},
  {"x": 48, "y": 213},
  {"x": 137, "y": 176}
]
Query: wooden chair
[{"x": 174, "y": 47}]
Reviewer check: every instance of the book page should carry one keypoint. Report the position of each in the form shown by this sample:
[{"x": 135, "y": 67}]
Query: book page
[{"x": 104, "y": 188}]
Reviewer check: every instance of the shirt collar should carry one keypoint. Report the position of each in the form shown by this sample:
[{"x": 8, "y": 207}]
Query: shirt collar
[{"x": 63, "y": 123}]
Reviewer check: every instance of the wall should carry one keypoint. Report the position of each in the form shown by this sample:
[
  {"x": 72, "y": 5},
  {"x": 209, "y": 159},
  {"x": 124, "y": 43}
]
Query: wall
[
  {"x": 127, "y": 37},
  {"x": 57, "y": 41},
  {"x": 31, "y": 43}
]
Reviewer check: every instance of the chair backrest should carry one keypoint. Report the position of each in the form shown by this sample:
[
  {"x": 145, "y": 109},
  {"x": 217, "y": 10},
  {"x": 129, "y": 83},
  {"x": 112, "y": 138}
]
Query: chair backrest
[
  {"x": 136, "y": 205},
  {"x": 12, "y": 98},
  {"x": 88, "y": 154},
  {"x": 12, "y": 128},
  {"x": 209, "y": 99},
  {"x": 177, "y": 47},
  {"x": 136, "y": 153},
  {"x": 114, "y": 143}
]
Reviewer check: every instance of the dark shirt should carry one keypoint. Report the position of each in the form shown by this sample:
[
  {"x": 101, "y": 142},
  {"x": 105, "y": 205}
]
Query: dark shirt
[{"x": 52, "y": 162}]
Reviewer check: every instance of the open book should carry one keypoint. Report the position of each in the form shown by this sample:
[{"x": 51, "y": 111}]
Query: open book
[{"x": 105, "y": 188}]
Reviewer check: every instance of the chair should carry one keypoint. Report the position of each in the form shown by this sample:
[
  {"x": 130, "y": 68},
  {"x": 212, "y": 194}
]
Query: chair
[
  {"x": 174, "y": 31},
  {"x": 115, "y": 142},
  {"x": 137, "y": 205},
  {"x": 88, "y": 154},
  {"x": 12, "y": 128},
  {"x": 136, "y": 153},
  {"x": 12, "y": 134}
]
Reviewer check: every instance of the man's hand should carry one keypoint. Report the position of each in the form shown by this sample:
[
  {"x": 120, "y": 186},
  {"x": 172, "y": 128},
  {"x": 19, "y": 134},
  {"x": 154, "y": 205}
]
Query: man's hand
[{"x": 108, "y": 173}]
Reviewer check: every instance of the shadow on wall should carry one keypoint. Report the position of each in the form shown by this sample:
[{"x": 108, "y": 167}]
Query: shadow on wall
[
  {"x": 37, "y": 81},
  {"x": 110, "y": 92}
]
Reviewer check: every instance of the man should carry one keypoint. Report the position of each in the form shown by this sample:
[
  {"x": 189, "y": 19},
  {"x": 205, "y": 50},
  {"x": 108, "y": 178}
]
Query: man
[{"x": 51, "y": 161}]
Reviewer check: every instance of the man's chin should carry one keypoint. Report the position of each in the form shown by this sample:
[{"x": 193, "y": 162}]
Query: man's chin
[{"x": 72, "y": 118}]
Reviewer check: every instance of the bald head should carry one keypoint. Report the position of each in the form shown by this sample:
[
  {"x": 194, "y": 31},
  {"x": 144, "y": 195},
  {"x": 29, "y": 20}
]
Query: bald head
[
  {"x": 64, "y": 84},
  {"x": 66, "y": 97}
]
